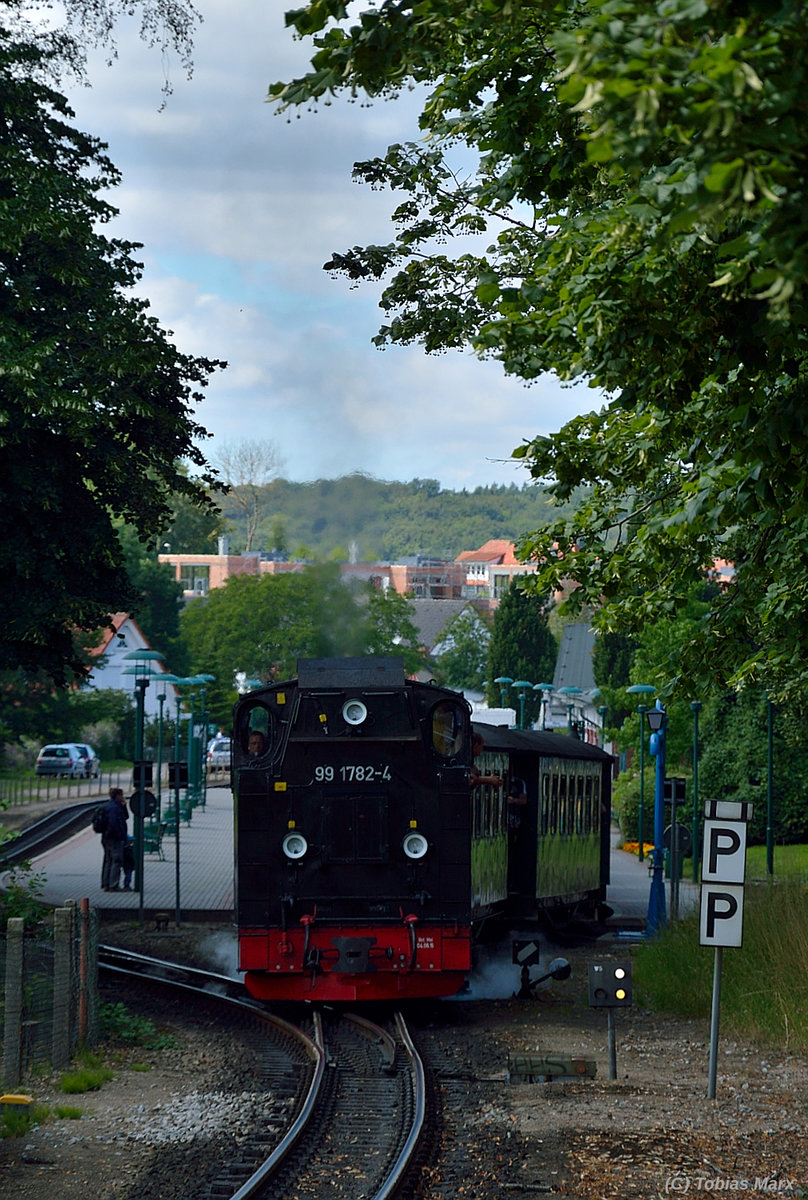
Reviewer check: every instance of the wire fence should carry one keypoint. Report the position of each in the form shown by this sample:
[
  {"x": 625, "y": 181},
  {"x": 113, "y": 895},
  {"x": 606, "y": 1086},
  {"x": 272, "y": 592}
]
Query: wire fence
[
  {"x": 35, "y": 789},
  {"x": 50, "y": 994}
]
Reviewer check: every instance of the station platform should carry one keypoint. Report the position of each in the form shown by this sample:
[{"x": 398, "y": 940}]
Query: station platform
[
  {"x": 72, "y": 871},
  {"x": 206, "y": 868}
]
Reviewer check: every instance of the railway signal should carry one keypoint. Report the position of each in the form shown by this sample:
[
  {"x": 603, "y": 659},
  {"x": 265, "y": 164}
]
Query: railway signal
[
  {"x": 610, "y": 988},
  {"x": 610, "y": 985}
]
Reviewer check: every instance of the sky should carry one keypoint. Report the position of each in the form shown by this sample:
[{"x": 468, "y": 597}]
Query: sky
[{"x": 237, "y": 209}]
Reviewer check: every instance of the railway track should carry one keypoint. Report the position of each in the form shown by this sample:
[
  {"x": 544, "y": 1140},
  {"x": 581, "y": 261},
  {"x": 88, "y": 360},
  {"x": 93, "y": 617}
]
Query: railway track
[{"x": 353, "y": 1091}]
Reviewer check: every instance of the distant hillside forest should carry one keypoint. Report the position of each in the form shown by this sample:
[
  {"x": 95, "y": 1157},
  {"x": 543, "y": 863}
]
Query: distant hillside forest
[{"x": 370, "y": 520}]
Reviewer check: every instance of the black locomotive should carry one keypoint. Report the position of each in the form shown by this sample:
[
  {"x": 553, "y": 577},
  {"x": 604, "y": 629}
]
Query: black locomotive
[{"x": 367, "y": 849}]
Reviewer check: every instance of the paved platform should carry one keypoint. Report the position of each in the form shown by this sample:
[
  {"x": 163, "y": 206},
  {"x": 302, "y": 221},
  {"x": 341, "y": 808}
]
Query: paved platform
[{"x": 73, "y": 871}]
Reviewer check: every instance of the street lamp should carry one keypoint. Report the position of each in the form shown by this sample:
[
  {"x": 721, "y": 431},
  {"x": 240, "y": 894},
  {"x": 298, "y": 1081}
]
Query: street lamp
[
  {"x": 695, "y": 706},
  {"x": 657, "y": 723},
  {"x": 505, "y": 681},
  {"x": 523, "y": 686},
  {"x": 143, "y": 670},
  {"x": 569, "y": 692},
  {"x": 545, "y": 689},
  {"x": 602, "y": 714},
  {"x": 641, "y": 689}
]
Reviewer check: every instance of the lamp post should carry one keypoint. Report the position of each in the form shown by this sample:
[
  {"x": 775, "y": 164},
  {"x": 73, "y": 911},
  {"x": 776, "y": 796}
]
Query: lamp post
[
  {"x": 189, "y": 681},
  {"x": 769, "y": 787},
  {"x": 523, "y": 686},
  {"x": 695, "y": 706},
  {"x": 602, "y": 714},
  {"x": 142, "y": 671},
  {"x": 657, "y": 722},
  {"x": 641, "y": 689},
  {"x": 569, "y": 692},
  {"x": 504, "y": 681},
  {"x": 545, "y": 689}
]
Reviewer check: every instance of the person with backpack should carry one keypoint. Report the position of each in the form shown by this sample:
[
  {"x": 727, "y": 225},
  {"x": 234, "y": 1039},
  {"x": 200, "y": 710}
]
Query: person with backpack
[{"x": 113, "y": 839}]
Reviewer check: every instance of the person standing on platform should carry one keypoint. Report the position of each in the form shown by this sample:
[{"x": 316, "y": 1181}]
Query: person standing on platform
[{"x": 113, "y": 839}]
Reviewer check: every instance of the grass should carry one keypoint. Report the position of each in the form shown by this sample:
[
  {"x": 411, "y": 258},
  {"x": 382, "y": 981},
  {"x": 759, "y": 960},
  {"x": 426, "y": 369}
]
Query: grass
[
  {"x": 68, "y": 1112},
  {"x": 88, "y": 1075},
  {"x": 787, "y": 860},
  {"x": 764, "y": 990},
  {"x": 18, "y": 1121},
  {"x": 118, "y": 1023}
]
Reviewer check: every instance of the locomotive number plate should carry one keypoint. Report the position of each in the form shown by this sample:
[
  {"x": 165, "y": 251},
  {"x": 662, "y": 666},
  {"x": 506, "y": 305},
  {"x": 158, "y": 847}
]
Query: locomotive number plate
[{"x": 353, "y": 773}]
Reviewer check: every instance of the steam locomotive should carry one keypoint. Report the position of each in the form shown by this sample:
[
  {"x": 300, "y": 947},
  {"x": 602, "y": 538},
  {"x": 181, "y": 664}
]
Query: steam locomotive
[{"x": 371, "y": 842}]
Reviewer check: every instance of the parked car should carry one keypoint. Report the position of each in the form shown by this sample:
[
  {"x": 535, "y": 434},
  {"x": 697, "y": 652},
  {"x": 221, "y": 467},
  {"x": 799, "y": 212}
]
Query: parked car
[
  {"x": 60, "y": 759},
  {"x": 74, "y": 759},
  {"x": 92, "y": 763},
  {"x": 219, "y": 753}
]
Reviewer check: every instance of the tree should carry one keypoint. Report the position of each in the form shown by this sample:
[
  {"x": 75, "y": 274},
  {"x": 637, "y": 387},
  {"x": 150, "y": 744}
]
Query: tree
[
  {"x": 641, "y": 189},
  {"x": 461, "y": 657},
  {"x": 390, "y": 627},
  {"x": 262, "y": 625},
  {"x": 248, "y": 468},
  {"x": 521, "y": 646},
  {"x": 158, "y": 600},
  {"x": 166, "y": 24},
  {"x": 192, "y": 530},
  {"x": 96, "y": 403}
]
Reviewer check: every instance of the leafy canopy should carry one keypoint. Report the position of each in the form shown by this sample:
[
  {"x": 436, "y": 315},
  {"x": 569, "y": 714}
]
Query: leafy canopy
[
  {"x": 96, "y": 404},
  {"x": 634, "y": 218}
]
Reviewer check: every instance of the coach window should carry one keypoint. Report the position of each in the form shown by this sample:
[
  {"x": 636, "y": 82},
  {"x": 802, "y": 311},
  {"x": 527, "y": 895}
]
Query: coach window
[
  {"x": 447, "y": 730},
  {"x": 545, "y": 803},
  {"x": 554, "y": 804}
]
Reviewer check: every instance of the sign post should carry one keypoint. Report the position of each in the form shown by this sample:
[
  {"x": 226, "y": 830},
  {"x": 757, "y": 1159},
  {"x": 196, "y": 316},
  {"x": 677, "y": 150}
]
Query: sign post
[{"x": 723, "y": 871}]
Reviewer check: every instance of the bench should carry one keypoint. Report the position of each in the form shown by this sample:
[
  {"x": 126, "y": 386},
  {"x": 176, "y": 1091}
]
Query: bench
[{"x": 153, "y": 839}]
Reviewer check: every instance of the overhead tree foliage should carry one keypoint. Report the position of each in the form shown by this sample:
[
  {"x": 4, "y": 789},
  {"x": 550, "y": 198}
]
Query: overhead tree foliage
[
  {"x": 69, "y": 31},
  {"x": 640, "y": 189},
  {"x": 96, "y": 404}
]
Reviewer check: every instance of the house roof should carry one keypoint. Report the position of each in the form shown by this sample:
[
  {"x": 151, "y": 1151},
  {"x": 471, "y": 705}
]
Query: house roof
[
  {"x": 432, "y": 616},
  {"x": 574, "y": 662},
  {"x": 116, "y": 624},
  {"x": 496, "y": 551}
]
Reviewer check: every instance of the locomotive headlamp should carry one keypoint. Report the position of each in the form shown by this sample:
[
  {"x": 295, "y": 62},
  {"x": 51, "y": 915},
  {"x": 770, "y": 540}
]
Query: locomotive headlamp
[
  {"x": 415, "y": 844},
  {"x": 354, "y": 712},
  {"x": 294, "y": 845}
]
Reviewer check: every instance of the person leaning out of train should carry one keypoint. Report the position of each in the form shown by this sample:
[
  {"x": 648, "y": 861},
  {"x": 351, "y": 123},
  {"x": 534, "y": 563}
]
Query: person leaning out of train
[
  {"x": 517, "y": 798},
  {"x": 477, "y": 744}
]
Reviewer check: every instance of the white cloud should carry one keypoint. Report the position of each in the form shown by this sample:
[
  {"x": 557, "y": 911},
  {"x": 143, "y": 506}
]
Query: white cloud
[{"x": 238, "y": 208}]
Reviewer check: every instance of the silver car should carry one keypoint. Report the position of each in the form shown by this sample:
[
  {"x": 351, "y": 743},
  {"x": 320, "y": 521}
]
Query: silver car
[
  {"x": 219, "y": 753},
  {"x": 62, "y": 758}
]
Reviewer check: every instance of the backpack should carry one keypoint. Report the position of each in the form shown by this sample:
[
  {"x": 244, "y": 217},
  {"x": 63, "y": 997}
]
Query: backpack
[{"x": 100, "y": 819}]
